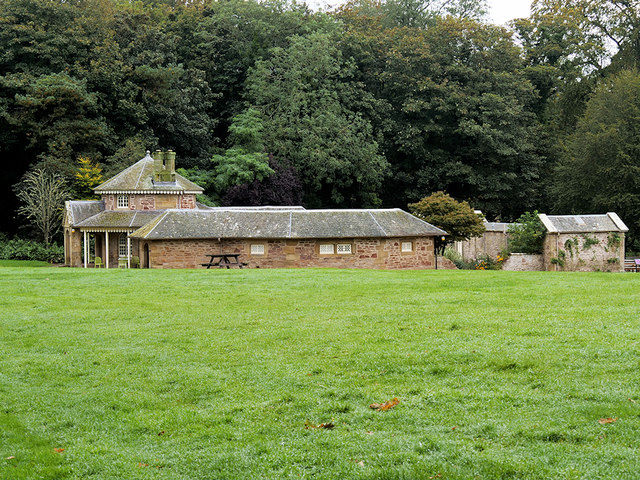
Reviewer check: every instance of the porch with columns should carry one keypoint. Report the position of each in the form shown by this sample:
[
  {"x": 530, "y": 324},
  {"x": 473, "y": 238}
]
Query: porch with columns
[{"x": 109, "y": 247}]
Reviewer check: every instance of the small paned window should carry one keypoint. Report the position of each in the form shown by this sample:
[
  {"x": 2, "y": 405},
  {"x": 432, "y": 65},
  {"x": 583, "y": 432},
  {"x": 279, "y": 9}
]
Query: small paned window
[
  {"x": 257, "y": 249},
  {"x": 122, "y": 245},
  {"x": 123, "y": 201},
  {"x": 326, "y": 249},
  {"x": 407, "y": 246},
  {"x": 343, "y": 248}
]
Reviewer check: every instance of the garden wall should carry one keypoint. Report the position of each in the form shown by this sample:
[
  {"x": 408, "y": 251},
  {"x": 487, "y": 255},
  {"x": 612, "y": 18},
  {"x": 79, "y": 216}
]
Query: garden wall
[
  {"x": 490, "y": 244},
  {"x": 522, "y": 262}
]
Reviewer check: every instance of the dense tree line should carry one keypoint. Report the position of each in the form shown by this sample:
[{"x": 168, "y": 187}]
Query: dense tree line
[{"x": 373, "y": 104}]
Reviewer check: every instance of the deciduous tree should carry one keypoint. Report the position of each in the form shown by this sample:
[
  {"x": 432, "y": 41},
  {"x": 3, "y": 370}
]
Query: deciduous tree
[
  {"x": 456, "y": 218},
  {"x": 306, "y": 97},
  {"x": 42, "y": 195},
  {"x": 600, "y": 168}
]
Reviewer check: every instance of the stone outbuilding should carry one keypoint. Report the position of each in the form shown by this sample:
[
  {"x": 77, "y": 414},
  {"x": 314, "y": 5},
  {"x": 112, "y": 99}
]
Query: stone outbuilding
[
  {"x": 572, "y": 243},
  {"x": 148, "y": 216},
  {"x": 584, "y": 243},
  {"x": 494, "y": 241}
]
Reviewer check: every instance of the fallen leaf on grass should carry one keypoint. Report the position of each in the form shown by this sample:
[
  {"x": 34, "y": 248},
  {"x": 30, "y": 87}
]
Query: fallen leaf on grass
[
  {"x": 453, "y": 428},
  {"x": 11, "y": 457},
  {"x": 604, "y": 421},
  {"x": 142, "y": 464},
  {"x": 632, "y": 400},
  {"x": 382, "y": 407},
  {"x": 58, "y": 450},
  {"x": 161, "y": 433},
  {"x": 308, "y": 425}
]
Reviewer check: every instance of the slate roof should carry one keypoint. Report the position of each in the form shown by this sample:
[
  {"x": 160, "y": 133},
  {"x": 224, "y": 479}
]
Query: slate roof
[
  {"x": 609, "y": 222},
  {"x": 119, "y": 220},
  {"x": 138, "y": 178},
  {"x": 79, "y": 210},
  {"x": 496, "y": 226},
  {"x": 293, "y": 223}
]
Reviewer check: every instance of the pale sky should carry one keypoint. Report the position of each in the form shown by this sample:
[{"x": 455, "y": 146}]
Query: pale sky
[{"x": 500, "y": 11}]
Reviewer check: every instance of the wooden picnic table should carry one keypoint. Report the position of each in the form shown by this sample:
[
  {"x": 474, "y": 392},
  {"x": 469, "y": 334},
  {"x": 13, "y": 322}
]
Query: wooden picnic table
[{"x": 222, "y": 260}]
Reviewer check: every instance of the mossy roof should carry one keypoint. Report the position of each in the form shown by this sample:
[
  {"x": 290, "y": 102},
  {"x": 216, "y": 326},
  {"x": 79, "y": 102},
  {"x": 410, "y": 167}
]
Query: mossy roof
[
  {"x": 117, "y": 219},
  {"x": 285, "y": 224},
  {"x": 139, "y": 178},
  {"x": 609, "y": 222},
  {"x": 79, "y": 210}
]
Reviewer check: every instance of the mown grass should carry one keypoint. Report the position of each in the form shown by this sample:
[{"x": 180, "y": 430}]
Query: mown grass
[
  {"x": 213, "y": 374},
  {"x": 23, "y": 263}
]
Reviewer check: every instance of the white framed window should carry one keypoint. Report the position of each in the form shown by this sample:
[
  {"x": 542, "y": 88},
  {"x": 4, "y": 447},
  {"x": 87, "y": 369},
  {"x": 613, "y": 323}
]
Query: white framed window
[
  {"x": 326, "y": 249},
  {"x": 407, "y": 246},
  {"x": 123, "y": 201},
  {"x": 257, "y": 249},
  {"x": 343, "y": 248},
  {"x": 122, "y": 245}
]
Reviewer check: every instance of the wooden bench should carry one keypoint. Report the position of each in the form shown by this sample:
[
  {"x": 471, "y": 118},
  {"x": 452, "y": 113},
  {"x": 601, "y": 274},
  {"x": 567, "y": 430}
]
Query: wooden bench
[{"x": 632, "y": 265}]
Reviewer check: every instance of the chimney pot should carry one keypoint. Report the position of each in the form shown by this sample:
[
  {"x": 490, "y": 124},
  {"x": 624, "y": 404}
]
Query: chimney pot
[
  {"x": 170, "y": 157},
  {"x": 158, "y": 164}
]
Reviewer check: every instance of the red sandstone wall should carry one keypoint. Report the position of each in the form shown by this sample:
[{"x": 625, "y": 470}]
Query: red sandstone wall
[
  {"x": 366, "y": 253},
  {"x": 152, "y": 202}
]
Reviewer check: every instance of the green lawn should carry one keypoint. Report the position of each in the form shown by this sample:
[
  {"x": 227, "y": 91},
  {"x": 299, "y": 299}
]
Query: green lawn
[
  {"x": 23, "y": 263},
  {"x": 213, "y": 374}
]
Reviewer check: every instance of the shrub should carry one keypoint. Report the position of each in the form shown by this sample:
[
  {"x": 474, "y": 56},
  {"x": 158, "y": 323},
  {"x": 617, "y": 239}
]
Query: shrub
[
  {"x": 526, "y": 235},
  {"x": 18, "y": 249},
  {"x": 481, "y": 263},
  {"x": 486, "y": 262}
]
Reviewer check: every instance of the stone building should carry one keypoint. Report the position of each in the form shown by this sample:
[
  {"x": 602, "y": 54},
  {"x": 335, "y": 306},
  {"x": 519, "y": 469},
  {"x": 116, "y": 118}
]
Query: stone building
[
  {"x": 129, "y": 200},
  {"x": 148, "y": 215},
  {"x": 494, "y": 241},
  {"x": 584, "y": 243},
  {"x": 572, "y": 243}
]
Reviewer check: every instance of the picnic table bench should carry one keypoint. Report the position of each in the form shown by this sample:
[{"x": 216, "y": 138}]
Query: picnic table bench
[
  {"x": 222, "y": 260},
  {"x": 632, "y": 265}
]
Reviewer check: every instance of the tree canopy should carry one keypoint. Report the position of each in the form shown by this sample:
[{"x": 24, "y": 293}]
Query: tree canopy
[{"x": 456, "y": 218}]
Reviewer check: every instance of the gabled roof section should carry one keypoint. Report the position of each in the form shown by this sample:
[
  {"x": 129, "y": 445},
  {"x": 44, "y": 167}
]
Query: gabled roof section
[
  {"x": 138, "y": 178},
  {"x": 285, "y": 223},
  {"x": 77, "y": 211},
  {"x": 609, "y": 222},
  {"x": 120, "y": 220}
]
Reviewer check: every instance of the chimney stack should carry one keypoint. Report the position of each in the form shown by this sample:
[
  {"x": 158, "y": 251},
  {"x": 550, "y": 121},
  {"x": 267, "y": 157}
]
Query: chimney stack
[
  {"x": 164, "y": 166},
  {"x": 170, "y": 163}
]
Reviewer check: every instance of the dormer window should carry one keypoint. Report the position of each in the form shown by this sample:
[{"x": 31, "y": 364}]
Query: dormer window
[{"x": 123, "y": 201}]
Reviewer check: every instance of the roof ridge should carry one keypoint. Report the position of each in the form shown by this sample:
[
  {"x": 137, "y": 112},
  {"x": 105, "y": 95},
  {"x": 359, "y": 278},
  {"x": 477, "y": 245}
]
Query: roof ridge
[
  {"x": 376, "y": 222},
  {"x": 119, "y": 174},
  {"x": 158, "y": 221},
  {"x": 141, "y": 172}
]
